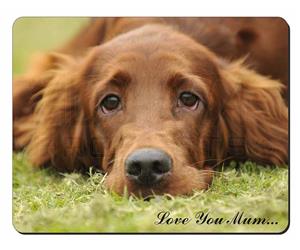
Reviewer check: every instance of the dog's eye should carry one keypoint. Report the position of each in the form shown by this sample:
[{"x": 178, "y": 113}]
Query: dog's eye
[
  {"x": 110, "y": 103},
  {"x": 189, "y": 100}
]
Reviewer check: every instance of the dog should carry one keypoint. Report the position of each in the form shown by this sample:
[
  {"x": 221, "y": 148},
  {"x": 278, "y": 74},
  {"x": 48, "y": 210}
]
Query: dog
[{"x": 157, "y": 103}]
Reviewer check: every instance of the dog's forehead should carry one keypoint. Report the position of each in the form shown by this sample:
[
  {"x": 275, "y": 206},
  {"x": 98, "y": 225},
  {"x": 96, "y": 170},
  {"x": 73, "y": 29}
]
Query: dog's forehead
[
  {"x": 149, "y": 41},
  {"x": 139, "y": 63},
  {"x": 142, "y": 60},
  {"x": 152, "y": 36},
  {"x": 150, "y": 53}
]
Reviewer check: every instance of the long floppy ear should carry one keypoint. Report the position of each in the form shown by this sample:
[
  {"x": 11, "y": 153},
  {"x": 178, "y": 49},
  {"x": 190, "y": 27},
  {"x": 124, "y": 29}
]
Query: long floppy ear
[
  {"x": 61, "y": 135},
  {"x": 254, "y": 118},
  {"x": 27, "y": 92}
]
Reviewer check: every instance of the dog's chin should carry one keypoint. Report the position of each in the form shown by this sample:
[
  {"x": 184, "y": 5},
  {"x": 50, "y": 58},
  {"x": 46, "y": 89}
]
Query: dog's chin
[{"x": 200, "y": 180}]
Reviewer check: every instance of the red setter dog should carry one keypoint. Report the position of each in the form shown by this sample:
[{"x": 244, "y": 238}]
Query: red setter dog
[{"x": 157, "y": 102}]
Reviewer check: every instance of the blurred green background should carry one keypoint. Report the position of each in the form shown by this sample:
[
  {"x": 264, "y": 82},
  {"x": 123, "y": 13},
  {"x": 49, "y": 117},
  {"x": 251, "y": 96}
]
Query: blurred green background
[{"x": 37, "y": 34}]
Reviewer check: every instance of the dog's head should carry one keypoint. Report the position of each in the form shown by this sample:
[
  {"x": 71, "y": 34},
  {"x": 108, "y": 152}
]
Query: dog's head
[{"x": 153, "y": 109}]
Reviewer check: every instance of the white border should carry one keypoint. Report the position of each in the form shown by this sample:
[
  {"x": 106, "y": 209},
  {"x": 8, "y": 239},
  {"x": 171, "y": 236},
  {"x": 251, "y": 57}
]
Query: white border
[{"x": 14, "y": 9}]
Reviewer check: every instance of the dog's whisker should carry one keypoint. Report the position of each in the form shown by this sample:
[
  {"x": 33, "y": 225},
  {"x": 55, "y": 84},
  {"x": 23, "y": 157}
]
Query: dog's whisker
[
  {"x": 211, "y": 159},
  {"x": 114, "y": 160},
  {"x": 227, "y": 158}
]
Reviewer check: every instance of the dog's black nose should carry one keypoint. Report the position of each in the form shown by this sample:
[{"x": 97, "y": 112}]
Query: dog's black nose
[{"x": 147, "y": 166}]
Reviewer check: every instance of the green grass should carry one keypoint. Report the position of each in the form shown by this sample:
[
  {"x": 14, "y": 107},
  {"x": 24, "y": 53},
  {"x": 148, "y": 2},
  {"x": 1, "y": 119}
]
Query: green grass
[{"x": 47, "y": 201}]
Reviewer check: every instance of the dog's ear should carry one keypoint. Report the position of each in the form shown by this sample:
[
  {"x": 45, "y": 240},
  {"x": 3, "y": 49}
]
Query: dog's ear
[
  {"x": 27, "y": 92},
  {"x": 61, "y": 135},
  {"x": 253, "y": 121}
]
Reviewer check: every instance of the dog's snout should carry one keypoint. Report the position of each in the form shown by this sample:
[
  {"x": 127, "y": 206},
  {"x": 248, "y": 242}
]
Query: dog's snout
[{"x": 147, "y": 166}]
